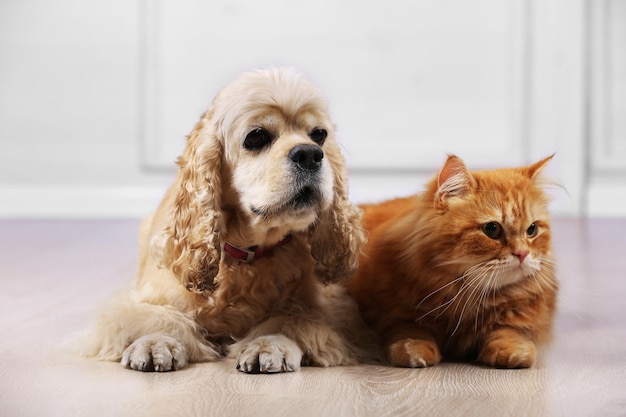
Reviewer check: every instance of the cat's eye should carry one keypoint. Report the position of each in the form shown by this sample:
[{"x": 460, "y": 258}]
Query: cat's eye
[
  {"x": 532, "y": 230},
  {"x": 493, "y": 230},
  {"x": 257, "y": 139}
]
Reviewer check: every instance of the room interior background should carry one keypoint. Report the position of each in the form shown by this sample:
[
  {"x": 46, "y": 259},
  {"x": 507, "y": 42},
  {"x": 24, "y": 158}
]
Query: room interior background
[{"x": 96, "y": 97}]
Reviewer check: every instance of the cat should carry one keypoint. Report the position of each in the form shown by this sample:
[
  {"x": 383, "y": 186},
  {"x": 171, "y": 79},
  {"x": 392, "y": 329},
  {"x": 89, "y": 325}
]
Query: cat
[{"x": 463, "y": 271}]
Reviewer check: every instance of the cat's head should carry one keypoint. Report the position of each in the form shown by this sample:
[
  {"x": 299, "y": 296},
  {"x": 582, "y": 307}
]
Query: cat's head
[{"x": 495, "y": 222}]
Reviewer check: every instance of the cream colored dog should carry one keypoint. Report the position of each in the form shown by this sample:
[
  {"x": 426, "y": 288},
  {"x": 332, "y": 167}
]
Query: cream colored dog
[{"x": 237, "y": 256}]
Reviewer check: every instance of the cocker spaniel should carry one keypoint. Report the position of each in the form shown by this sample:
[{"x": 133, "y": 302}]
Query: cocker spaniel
[{"x": 238, "y": 257}]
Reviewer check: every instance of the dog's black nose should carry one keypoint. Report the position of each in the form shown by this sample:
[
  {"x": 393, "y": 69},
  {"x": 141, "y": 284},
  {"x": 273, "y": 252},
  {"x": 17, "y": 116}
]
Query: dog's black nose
[{"x": 307, "y": 156}]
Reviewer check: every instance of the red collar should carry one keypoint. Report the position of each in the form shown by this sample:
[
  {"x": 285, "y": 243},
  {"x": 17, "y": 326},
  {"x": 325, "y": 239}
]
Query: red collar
[{"x": 255, "y": 252}]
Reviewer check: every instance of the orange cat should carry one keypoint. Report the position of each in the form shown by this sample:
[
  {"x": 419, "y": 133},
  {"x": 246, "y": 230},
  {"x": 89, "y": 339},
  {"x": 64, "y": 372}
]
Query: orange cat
[{"x": 463, "y": 271}]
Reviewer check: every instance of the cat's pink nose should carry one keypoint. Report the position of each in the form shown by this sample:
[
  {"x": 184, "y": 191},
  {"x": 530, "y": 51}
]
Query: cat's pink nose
[{"x": 521, "y": 255}]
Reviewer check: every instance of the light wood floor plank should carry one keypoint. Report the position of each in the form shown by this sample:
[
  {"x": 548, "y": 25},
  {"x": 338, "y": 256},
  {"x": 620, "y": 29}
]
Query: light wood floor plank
[{"x": 54, "y": 275}]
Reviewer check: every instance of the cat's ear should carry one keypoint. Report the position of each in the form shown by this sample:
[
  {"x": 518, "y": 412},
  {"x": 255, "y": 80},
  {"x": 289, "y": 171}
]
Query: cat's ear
[
  {"x": 533, "y": 170},
  {"x": 454, "y": 180}
]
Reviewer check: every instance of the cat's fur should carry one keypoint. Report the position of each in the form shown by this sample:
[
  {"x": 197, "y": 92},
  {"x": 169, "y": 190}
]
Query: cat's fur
[{"x": 432, "y": 284}]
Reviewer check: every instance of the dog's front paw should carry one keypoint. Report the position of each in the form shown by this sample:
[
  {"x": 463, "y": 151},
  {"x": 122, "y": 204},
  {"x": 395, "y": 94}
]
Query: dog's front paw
[
  {"x": 155, "y": 352},
  {"x": 269, "y": 354}
]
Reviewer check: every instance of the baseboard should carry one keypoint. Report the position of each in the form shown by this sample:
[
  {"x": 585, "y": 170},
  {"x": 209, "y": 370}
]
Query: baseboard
[{"x": 78, "y": 201}]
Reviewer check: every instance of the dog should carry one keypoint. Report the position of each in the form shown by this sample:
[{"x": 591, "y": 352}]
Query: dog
[{"x": 245, "y": 254}]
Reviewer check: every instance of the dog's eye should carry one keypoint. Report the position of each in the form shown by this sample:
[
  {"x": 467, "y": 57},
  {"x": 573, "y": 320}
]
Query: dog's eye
[
  {"x": 318, "y": 136},
  {"x": 257, "y": 139}
]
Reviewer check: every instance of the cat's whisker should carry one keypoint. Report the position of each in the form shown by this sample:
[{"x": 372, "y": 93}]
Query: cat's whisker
[
  {"x": 491, "y": 270},
  {"x": 472, "y": 289},
  {"x": 545, "y": 273},
  {"x": 452, "y": 262},
  {"x": 543, "y": 280},
  {"x": 444, "y": 306},
  {"x": 547, "y": 277},
  {"x": 479, "y": 304},
  {"x": 437, "y": 290},
  {"x": 541, "y": 293},
  {"x": 547, "y": 263},
  {"x": 494, "y": 303},
  {"x": 487, "y": 289}
]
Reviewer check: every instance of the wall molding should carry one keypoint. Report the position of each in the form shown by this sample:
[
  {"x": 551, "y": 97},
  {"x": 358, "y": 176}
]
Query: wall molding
[
  {"x": 607, "y": 60},
  {"x": 62, "y": 201}
]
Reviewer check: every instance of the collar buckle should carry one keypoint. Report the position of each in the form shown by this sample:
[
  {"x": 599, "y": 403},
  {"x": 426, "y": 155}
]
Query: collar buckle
[{"x": 251, "y": 254}]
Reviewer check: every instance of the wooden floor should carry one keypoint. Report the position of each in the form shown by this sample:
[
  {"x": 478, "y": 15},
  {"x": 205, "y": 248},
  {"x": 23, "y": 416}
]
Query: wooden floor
[{"x": 54, "y": 274}]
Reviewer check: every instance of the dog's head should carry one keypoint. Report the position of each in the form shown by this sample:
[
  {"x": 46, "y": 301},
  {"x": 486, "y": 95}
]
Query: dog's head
[{"x": 263, "y": 162}]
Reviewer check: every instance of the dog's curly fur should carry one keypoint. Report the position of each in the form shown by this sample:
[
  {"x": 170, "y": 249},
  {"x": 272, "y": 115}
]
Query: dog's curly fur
[{"x": 239, "y": 182}]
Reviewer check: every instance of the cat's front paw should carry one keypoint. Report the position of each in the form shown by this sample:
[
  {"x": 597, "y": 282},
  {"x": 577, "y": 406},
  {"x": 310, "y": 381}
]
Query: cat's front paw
[
  {"x": 155, "y": 352},
  {"x": 508, "y": 353},
  {"x": 269, "y": 354},
  {"x": 413, "y": 353}
]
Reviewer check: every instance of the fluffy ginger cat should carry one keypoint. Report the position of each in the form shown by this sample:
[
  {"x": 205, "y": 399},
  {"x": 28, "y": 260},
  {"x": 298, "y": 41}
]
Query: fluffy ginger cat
[{"x": 463, "y": 271}]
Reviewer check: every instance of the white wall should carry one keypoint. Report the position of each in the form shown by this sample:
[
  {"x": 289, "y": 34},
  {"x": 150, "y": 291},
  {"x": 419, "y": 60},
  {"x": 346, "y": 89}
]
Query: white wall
[
  {"x": 96, "y": 97},
  {"x": 70, "y": 120}
]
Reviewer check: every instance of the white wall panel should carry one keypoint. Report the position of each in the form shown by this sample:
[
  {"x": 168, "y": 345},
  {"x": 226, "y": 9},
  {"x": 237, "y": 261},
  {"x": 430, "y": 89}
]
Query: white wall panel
[
  {"x": 407, "y": 81},
  {"x": 68, "y": 92},
  {"x": 96, "y": 98}
]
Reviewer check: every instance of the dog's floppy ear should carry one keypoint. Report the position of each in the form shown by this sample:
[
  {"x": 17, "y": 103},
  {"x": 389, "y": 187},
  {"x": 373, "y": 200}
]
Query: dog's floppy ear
[
  {"x": 336, "y": 238},
  {"x": 190, "y": 242}
]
